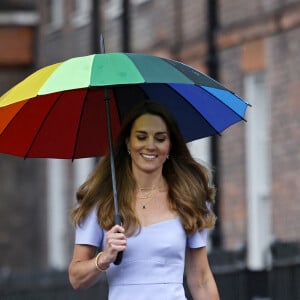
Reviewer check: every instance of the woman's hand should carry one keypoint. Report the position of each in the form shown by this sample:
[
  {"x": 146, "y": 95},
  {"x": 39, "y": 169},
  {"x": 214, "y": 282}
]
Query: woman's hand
[{"x": 115, "y": 242}]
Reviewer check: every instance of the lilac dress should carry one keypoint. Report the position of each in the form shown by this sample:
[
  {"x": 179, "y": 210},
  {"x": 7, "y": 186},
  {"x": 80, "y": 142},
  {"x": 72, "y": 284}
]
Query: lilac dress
[{"x": 153, "y": 263}]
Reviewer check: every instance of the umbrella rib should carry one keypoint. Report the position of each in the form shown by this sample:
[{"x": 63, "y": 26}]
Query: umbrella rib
[
  {"x": 115, "y": 97},
  {"x": 84, "y": 102},
  {"x": 242, "y": 118},
  {"x": 216, "y": 131},
  {"x": 209, "y": 124},
  {"x": 115, "y": 94},
  {"x": 42, "y": 123}
]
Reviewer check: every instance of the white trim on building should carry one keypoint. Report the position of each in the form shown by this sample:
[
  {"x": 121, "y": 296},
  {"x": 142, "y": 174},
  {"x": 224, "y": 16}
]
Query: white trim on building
[
  {"x": 57, "y": 221},
  {"x": 258, "y": 179},
  {"x": 19, "y": 18}
]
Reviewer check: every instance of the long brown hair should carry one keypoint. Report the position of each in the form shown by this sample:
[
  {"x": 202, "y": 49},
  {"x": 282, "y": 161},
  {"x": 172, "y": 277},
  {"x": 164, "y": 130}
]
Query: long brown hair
[{"x": 189, "y": 183}]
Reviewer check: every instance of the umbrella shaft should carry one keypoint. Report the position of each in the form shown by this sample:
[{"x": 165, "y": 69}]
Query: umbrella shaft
[
  {"x": 112, "y": 166},
  {"x": 112, "y": 159}
]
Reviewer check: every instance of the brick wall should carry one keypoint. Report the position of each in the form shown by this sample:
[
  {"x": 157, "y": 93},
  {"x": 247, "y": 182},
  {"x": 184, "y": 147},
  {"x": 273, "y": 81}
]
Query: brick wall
[
  {"x": 22, "y": 222},
  {"x": 233, "y": 216},
  {"x": 277, "y": 25},
  {"x": 235, "y": 12},
  {"x": 22, "y": 183},
  {"x": 284, "y": 76}
]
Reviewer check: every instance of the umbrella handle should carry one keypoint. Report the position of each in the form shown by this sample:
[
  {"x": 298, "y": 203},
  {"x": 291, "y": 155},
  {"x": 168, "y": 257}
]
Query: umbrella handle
[
  {"x": 120, "y": 254},
  {"x": 119, "y": 258}
]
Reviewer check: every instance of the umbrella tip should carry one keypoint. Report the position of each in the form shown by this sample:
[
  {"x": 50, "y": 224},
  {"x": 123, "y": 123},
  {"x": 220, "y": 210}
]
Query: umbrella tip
[{"x": 102, "y": 46}]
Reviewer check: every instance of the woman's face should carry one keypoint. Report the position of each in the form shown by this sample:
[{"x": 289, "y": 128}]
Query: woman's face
[{"x": 149, "y": 143}]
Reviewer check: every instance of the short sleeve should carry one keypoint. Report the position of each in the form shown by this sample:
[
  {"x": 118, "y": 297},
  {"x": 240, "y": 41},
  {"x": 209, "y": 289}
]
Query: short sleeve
[
  {"x": 89, "y": 232},
  {"x": 197, "y": 239}
]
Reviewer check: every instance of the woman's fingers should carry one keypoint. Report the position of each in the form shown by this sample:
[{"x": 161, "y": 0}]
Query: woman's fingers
[
  {"x": 117, "y": 228},
  {"x": 116, "y": 239},
  {"x": 115, "y": 242}
]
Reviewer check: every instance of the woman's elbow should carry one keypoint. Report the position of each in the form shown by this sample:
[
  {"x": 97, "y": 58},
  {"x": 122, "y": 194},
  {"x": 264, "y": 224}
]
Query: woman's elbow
[
  {"x": 203, "y": 289},
  {"x": 73, "y": 281},
  {"x": 75, "y": 285},
  {"x": 80, "y": 280}
]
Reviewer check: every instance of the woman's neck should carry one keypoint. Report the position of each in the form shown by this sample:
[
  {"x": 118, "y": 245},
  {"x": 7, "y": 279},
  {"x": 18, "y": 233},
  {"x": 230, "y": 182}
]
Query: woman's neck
[{"x": 149, "y": 181}]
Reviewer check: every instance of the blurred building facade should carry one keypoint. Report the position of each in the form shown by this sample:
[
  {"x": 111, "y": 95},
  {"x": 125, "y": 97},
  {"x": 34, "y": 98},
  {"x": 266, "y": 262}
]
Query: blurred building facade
[
  {"x": 22, "y": 227},
  {"x": 257, "y": 55}
]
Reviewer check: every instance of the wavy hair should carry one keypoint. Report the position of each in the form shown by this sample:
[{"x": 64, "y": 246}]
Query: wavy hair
[{"x": 190, "y": 191}]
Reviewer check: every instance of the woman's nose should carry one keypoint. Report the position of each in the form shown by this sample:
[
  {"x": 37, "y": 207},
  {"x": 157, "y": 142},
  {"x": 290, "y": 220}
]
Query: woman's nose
[{"x": 150, "y": 143}]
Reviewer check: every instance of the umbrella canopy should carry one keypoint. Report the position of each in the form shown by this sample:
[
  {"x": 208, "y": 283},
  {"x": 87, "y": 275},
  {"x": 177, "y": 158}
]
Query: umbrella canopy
[{"x": 59, "y": 111}]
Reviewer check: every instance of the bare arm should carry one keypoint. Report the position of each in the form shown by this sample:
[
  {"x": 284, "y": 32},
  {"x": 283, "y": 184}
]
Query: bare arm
[
  {"x": 200, "y": 279},
  {"x": 83, "y": 272}
]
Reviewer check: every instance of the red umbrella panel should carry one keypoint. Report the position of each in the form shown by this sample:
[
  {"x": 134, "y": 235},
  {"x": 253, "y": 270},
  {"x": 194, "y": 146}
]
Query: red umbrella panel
[{"x": 63, "y": 125}]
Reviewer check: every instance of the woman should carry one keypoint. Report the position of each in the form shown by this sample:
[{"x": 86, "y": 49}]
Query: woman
[{"x": 164, "y": 195}]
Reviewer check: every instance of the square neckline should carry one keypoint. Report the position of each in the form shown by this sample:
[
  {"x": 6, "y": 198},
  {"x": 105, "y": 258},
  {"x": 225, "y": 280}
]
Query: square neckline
[{"x": 160, "y": 222}]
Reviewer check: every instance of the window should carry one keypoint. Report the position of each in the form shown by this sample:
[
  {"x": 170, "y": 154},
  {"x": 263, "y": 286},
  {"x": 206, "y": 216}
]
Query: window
[
  {"x": 113, "y": 9},
  {"x": 81, "y": 12},
  {"x": 56, "y": 17},
  {"x": 139, "y": 2}
]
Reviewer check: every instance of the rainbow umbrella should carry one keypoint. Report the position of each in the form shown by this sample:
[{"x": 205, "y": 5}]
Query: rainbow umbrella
[
  {"x": 74, "y": 109},
  {"x": 59, "y": 111}
]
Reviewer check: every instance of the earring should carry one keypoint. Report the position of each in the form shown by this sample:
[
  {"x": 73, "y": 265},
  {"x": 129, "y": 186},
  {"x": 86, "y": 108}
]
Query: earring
[
  {"x": 128, "y": 149},
  {"x": 168, "y": 156}
]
